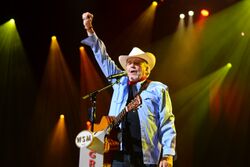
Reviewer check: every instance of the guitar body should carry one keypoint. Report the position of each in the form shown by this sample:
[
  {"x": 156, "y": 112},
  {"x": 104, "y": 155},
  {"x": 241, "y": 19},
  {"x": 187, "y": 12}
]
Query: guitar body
[
  {"x": 104, "y": 123},
  {"x": 111, "y": 143}
]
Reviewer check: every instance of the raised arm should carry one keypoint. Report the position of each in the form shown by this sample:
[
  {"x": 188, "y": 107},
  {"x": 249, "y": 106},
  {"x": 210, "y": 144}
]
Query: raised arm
[{"x": 106, "y": 64}]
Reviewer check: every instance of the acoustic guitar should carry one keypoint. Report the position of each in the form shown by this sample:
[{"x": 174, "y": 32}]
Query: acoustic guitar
[{"x": 109, "y": 124}]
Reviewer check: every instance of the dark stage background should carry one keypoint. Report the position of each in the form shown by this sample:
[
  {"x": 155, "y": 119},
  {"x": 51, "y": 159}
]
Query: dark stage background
[{"x": 212, "y": 124}]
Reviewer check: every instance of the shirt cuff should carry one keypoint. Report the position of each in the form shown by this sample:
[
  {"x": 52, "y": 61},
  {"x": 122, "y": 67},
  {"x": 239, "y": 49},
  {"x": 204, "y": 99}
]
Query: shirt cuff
[{"x": 90, "y": 40}]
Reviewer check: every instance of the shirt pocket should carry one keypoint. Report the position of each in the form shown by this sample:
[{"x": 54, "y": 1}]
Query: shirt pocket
[
  {"x": 118, "y": 95},
  {"x": 149, "y": 104}
]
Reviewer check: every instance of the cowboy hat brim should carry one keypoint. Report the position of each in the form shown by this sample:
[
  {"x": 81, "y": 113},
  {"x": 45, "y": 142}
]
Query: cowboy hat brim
[{"x": 148, "y": 57}]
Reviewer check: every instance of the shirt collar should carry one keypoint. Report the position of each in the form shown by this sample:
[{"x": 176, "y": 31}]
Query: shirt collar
[{"x": 138, "y": 83}]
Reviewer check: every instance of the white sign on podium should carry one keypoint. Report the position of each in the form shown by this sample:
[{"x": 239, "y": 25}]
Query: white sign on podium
[{"x": 91, "y": 148}]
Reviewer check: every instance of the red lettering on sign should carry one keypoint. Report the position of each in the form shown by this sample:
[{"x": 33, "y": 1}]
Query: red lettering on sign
[
  {"x": 92, "y": 154},
  {"x": 91, "y": 163}
]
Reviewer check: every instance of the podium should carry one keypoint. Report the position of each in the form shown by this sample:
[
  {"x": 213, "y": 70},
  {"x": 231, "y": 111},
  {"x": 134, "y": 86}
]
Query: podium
[
  {"x": 92, "y": 149},
  {"x": 95, "y": 147}
]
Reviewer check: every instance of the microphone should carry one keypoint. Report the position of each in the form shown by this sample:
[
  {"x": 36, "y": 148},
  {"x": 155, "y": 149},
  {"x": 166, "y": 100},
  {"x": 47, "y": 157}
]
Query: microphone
[{"x": 123, "y": 73}]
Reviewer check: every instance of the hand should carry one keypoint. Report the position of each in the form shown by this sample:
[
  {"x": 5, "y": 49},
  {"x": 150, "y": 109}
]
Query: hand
[
  {"x": 87, "y": 21},
  {"x": 166, "y": 161}
]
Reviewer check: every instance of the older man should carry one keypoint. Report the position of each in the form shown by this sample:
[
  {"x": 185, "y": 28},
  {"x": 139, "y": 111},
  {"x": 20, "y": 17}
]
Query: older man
[{"x": 148, "y": 133}]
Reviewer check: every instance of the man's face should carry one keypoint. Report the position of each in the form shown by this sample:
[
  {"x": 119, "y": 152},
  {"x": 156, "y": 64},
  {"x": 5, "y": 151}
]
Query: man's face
[{"x": 136, "y": 69}]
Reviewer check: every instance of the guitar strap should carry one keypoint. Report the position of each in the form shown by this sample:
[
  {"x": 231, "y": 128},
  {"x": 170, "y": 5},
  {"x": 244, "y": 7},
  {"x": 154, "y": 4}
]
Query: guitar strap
[
  {"x": 143, "y": 87},
  {"x": 131, "y": 96}
]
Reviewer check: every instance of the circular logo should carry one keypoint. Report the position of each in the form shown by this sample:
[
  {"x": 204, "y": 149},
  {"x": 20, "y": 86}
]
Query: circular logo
[{"x": 84, "y": 139}]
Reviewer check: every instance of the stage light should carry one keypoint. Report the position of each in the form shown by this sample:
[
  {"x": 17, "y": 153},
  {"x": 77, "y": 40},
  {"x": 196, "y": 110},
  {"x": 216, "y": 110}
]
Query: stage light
[
  {"x": 53, "y": 37},
  {"x": 190, "y": 13},
  {"x": 229, "y": 65},
  {"x": 154, "y": 3},
  {"x": 182, "y": 16},
  {"x": 81, "y": 48},
  {"x": 12, "y": 21},
  {"x": 88, "y": 125},
  {"x": 204, "y": 12},
  {"x": 61, "y": 116}
]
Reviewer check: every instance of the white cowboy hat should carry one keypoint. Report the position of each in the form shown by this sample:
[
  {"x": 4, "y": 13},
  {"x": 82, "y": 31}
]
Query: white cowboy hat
[{"x": 136, "y": 52}]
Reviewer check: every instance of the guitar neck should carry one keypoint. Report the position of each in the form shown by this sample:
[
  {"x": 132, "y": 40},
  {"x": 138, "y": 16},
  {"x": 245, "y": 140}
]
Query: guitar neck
[
  {"x": 132, "y": 105},
  {"x": 116, "y": 121},
  {"x": 120, "y": 116}
]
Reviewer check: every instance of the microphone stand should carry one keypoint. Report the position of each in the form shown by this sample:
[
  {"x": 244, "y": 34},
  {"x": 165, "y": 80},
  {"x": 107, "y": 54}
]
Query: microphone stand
[{"x": 92, "y": 97}]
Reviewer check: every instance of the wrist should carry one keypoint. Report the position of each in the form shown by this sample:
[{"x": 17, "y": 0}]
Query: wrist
[
  {"x": 88, "y": 27},
  {"x": 89, "y": 30}
]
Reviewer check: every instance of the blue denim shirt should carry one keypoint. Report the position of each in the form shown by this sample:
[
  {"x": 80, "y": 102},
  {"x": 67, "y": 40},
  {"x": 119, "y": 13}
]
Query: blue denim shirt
[{"x": 158, "y": 134}]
